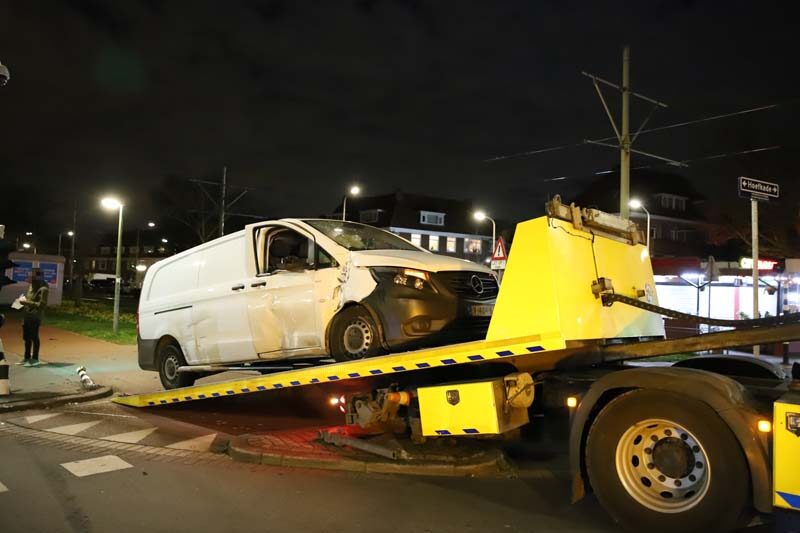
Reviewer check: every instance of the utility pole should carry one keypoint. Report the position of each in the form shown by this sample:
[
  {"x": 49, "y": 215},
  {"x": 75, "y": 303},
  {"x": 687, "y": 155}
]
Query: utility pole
[
  {"x": 625, "y": 134},
  {"x": 223, "y": 200},
  {"x": 754, "y": 225},
  {"x": 72, "y": 248}
]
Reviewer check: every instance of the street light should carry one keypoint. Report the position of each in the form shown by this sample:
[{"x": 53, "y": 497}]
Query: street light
[
  {"x": 635, "y": 203},
  {"x": 151, "y": 224},
  {"x": 355, "y": 190},
  {"x": 480, "y": 216},
  {"x": 112, "y": 204},
  {"x": 68, "y": 234},
  {"x": 165, "y": 241}
]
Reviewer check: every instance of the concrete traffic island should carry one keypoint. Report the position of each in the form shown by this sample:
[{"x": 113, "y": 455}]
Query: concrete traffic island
[{"x": 306, "y": 448}]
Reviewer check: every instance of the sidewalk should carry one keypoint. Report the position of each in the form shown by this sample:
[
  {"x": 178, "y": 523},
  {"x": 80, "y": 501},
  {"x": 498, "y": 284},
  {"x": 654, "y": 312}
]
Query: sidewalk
[{"x": 62, "y": 352}]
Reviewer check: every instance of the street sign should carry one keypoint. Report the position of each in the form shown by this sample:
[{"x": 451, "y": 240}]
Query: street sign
[
  {"x": 499, "y": 255},
  {"x": 758, "y": 190}
]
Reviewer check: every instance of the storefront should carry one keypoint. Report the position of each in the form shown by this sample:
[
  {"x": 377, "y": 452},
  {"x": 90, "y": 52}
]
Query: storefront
[{"x": 683, "y": 284}]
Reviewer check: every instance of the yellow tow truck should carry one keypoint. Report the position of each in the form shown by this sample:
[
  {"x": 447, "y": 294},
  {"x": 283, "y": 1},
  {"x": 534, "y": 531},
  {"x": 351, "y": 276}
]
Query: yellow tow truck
[{"x": 690, "y": 447}]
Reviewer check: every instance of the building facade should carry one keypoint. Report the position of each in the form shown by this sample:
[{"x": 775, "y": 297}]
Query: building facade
[
  {"x": 679, "y": 225},
  {"x": 441, "y": 225},
  {"x": 136, "y": 259}
]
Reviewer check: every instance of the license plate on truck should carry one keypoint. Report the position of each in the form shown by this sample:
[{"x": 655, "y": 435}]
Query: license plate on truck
[{"x": 481, "y": 310}]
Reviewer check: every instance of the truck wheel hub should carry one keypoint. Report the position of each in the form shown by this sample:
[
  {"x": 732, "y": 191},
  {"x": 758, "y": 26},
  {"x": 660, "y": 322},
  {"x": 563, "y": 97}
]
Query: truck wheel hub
[{"x": 662, "y": 466}]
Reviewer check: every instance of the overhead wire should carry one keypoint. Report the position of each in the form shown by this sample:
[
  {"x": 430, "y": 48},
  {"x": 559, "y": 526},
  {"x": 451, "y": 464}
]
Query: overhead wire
[{"x": 649, "y": 130}]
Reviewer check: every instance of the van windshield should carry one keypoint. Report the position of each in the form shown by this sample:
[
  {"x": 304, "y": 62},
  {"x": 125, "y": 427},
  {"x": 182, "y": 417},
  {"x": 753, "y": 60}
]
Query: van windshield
[{"x": 356, "y": 237}]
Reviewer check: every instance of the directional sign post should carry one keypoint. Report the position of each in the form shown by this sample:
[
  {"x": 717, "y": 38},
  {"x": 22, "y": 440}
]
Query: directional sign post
[{"x": 757, "y": 191}]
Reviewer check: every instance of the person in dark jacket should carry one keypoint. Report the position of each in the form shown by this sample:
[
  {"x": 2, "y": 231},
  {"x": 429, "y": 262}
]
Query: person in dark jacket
[{"x": 33, "y": 305}]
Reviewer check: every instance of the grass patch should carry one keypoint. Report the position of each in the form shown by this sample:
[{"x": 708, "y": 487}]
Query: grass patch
[{"x": 91, "y": 319}]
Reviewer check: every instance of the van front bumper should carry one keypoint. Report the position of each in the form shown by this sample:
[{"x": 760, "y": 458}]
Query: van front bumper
[{"x": 410, "y": 318}]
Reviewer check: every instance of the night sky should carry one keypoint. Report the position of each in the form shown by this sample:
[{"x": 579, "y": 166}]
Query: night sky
[{"x": 301, "y": 98}]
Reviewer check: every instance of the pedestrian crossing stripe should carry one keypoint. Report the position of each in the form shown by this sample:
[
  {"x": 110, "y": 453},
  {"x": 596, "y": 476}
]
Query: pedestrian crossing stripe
[{"x": 466, "y": 353}]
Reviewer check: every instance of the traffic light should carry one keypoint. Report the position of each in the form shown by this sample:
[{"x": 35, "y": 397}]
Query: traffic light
[{"x": 5, "y": 263}]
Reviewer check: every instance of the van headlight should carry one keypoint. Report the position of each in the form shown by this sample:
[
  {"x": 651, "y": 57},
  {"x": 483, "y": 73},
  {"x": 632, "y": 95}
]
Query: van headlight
[{"x": 404, "y": 277}]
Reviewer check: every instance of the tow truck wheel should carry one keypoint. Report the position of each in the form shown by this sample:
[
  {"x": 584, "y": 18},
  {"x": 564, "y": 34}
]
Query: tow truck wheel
[
  {"x": 658, "y": 461},
  {"x": 354, "y": 335},
  {"x": 170, "y": 358}
]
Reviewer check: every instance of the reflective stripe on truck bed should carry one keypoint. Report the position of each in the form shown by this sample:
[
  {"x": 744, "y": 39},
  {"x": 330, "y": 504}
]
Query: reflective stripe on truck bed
[{"x": 457, "y": 354}]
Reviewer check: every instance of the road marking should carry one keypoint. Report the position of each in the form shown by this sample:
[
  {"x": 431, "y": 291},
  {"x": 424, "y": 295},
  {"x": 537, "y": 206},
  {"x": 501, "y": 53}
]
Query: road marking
[
  {"x": 197, "y": 444},
  {"x": 97, "y": 465},
  {"x": 131, "y": 437},
  {"x": 74, "y": 429},
  {"x": 38, "y": 418},
  {"x": 3, "y": 488}
]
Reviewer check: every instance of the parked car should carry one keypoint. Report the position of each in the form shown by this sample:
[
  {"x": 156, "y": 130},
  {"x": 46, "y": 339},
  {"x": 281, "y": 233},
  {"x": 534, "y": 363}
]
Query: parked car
[{"x": 311, "y": 287}]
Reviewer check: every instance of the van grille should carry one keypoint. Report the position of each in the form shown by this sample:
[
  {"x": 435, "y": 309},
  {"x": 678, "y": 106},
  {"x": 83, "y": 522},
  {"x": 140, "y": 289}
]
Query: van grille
[{"x": 470, "y": 285}]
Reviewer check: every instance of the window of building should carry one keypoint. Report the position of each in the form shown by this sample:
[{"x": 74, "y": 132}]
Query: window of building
[
  {"x": 672, "y": 201},
  {"x": 369, "y": 216},
  {"x": 102, "y": 265},
  {"x": 432, "y": 218},
  {"x": 105, "y": 250},
  {"x": 433, "y": 243},
  {"x": 473, "y": 246},
  {"x": 416, "y": 239},
  {"x": 451, "y": 245},
  {"x": 655, "y": 231}
]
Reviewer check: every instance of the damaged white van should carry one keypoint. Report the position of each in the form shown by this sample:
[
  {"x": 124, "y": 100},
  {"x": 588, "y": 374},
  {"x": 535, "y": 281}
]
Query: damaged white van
[{"x": 297, "y": 288}]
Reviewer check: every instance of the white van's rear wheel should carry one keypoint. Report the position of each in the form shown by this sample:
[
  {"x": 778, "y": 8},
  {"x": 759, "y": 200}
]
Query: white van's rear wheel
[
  {"x": 170, "y": 358},
  {"x": 354, "y": 335},
  {"x": 659, "y": 461}
]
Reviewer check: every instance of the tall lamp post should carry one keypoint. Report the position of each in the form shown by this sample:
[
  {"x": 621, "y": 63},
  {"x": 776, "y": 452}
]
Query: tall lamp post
[
  {"x": 480, "y": 216},
  {"x": 113, "y": 204},
  {"x": 355, "y": 190},
  {"x": 68, "y": 234},
  {"x": 637, "y": 204}
]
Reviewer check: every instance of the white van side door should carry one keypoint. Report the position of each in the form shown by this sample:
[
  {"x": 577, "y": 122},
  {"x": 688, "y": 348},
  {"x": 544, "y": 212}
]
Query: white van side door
[
  {"x": 281, "y": 301},
  {"x": 219, "y": 312}
]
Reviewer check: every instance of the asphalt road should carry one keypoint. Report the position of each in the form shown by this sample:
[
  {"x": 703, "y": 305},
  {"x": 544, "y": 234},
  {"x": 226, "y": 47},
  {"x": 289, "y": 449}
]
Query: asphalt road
[
  {"x": 43, "y": 487},
  {"x": 148, "y": 494}
]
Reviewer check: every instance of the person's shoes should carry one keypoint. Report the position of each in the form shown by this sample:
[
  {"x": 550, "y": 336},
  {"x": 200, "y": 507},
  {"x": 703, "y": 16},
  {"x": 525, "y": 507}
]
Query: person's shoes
[
  {"x": 20, "y": 363},
  {"x": 34, "y": 362},
  {"x": 26, "y": 363}
]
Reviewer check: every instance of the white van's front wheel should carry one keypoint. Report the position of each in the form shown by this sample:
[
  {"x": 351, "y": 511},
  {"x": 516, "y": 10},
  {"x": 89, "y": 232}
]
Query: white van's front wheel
[
  {"x": 170, "y": 358},
  {"x": 354, "y": 335}
]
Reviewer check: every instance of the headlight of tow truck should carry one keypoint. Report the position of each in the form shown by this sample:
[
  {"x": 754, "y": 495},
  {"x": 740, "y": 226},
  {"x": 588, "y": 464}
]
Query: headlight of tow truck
[{"x": 404, "y": 277}]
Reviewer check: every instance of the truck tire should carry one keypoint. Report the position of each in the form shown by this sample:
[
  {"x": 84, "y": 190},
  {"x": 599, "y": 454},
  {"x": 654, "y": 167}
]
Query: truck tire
[
  {"x": 658, "y": 461},
  {"x": 354, "y": 335},
  {"x": 170, "y": 358}
]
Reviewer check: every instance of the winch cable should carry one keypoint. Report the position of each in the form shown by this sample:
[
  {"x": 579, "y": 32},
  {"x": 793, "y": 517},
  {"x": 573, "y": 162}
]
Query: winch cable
[{"x": 611, "y": 298}]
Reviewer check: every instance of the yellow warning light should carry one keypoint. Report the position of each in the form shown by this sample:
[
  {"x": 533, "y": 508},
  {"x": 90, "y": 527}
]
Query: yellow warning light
[
  {"x": 764, "y": 426},
  {"x": 572, "y": 402}
]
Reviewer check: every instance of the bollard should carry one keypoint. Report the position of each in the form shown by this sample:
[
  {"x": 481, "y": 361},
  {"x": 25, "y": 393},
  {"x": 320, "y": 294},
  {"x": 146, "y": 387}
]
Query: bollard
[
  {"x": 5, "y": 383},
  {"x": 86, "y": 381}
]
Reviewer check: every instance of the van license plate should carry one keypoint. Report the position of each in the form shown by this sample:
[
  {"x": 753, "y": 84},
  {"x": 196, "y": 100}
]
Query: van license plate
[{"x": 481, "y": 310}]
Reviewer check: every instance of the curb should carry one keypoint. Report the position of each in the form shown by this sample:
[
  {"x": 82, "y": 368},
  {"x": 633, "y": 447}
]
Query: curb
[
  {"x": 495, "y": 463},
  {"x": 44, "y": 403}
]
